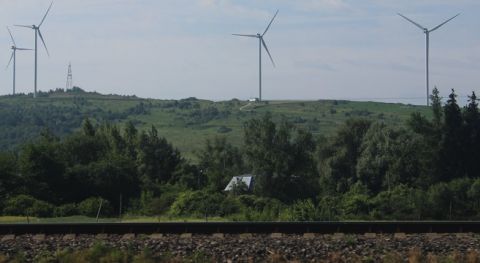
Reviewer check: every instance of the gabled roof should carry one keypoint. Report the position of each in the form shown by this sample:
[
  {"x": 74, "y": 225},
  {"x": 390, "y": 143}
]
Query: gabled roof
[{"x": 247, "y": 179}]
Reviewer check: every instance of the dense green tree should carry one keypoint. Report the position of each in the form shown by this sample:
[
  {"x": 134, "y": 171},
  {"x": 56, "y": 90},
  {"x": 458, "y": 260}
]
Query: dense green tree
[
  {"x": 281, "y": 157},
  {"x": 451, "y": 159},
  {"x": 80, "y": 149},
  {"x": 436, "y": 108},
  {"x": 355, "y": 202},
  {"x": 471, "y": 134},
  {"x": 337, "y": 160},
  {"x": 157, "y": 159},
  {"x": 131, "y": 140},
  {"x": 219, "y": 161},
  {"x": 398, "y": 203},
  {"x": 112, "y": 177},
  {"x": 42, "y": 169},
  {"x": 88, "y": 128},
  {"x": 389, "y": 156},
  {"x": 9, "y": 177},
  {"x": 189, "y": 176}
]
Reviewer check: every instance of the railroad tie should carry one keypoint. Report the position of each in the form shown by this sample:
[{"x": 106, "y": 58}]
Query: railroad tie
[
  {"x": 276, "y": 235},
  {"x": 464, "y": 235},
  {"x": 8, "y": 238},
  {"x": 309, "y": 235},
  {"x": 218, "y": 235},
  {"x": 338, "y": 236},
  {"x": 101, "y": 236},
  {"x": 39, "y": 237},
  {"x": 400, "y": 235},
  {"x": 432, "y": 236},
  {"x": 156, "y": 236},
  {"x": 69, "y": 237},
  {"x": 128, "y": 236},
  {"x": 246, "y": 235},
  {"x": 186, "y": 235}
]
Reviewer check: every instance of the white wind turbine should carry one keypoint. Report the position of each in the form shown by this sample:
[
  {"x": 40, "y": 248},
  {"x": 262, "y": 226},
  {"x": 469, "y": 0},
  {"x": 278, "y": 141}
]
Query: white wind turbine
[
  {"x": 14, "y": 57},
  {"x": 427, "y": 35},
  {"x": 261, "y": 42},
  {"x": 38, "y": 33}
]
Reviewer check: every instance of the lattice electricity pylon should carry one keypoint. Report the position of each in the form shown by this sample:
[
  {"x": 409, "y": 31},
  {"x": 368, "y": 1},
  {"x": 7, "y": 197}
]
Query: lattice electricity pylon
[{"x": 69, "y": 85}]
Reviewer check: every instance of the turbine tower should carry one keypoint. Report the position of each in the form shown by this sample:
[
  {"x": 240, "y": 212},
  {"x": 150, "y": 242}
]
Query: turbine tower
[
  {"x": 14, "y": 57},
  {"x": 427, "y": 35},
  {"x": 261, "y": 42},
  {"x": 38, "y": 33}
]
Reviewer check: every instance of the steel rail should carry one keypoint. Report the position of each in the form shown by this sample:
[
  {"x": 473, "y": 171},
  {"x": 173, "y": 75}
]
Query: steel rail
[{"x": 357, "y": 227}]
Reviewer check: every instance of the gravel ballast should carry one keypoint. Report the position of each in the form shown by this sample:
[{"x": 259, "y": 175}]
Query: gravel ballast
[{"x": 223, "y": 248}]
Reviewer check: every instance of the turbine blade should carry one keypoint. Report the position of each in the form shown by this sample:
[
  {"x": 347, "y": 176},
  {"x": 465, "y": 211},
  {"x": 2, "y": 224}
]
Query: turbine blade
[
  {"x": 268, "y": 52},
  {"x": 24, "y": 26},
  {"x": 240, "y": 35},
  {"x": 413, "y": 22},
  {"x": 45, "y": 16},
  {"x": 24, "y": 49},
  {"x": 10, "y": 61},
  {"x": 43, "y": 41},
  {"x": 437, "y": 27},
  {"x": 11, "y": 36},
  {"x": 268, "y": 27}
]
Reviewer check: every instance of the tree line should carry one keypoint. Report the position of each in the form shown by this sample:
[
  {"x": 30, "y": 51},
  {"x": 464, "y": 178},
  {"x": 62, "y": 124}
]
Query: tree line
[{"x": 423, "y": 169}]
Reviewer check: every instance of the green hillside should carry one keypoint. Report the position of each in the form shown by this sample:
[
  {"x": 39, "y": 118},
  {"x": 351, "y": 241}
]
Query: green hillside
[{"x": 185, "y": 123}]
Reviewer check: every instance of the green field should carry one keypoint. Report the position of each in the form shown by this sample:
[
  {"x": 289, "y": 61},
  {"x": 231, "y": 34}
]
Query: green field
[{"x": 185, "y": 123}]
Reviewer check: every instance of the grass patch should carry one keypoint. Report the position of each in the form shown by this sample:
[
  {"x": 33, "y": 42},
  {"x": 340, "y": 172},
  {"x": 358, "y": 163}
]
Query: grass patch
[{"x": 85, "y": 219}]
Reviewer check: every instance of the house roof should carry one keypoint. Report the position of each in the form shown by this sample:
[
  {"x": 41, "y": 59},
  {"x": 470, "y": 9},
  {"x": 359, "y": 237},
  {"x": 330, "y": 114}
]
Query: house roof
[{"x": 247, "y": 179}]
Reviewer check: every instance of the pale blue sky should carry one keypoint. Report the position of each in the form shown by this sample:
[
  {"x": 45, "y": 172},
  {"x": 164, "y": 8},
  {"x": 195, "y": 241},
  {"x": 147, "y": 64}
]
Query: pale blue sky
[{"x": 324, "y": 49}]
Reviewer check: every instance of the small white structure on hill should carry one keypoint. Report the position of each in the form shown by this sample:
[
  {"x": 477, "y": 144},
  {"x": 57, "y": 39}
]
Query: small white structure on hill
[{"x": 237, "y": 181}]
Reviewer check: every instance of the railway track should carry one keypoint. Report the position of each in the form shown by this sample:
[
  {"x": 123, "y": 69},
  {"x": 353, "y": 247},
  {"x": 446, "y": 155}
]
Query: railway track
[{"x": 359, "y": 227}]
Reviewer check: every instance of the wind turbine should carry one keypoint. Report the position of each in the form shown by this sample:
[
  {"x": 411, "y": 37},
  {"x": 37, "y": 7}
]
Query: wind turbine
[
  {"x": 14, "y": 57},
  {"x": 38, "y": 33},
  {"x": 427, "y": 35},
  {"x": 261, "y": 42}
]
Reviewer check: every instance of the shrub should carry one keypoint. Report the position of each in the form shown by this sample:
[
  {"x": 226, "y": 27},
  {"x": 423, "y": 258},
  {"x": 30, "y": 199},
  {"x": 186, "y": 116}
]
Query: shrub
[
  {"x": 65, "y": 210},
  {"x": 199, "y": 203},
  {"x": 303, "y": 210},
  {"x": 89, "y": 207},
  {"x": 259, "y": 208},
  {"x": 23, "y": 205},
  {"x": 41, "y": 209},
  {"x": 161, "y": 204}
]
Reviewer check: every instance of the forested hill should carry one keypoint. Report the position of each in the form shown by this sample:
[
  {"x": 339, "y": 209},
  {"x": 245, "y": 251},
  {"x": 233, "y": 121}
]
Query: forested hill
[{"x": 185, "y": 123}]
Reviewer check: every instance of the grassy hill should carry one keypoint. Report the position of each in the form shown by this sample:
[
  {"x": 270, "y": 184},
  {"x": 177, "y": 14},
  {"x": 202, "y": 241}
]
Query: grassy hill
[{"x": 186, "y": 123}]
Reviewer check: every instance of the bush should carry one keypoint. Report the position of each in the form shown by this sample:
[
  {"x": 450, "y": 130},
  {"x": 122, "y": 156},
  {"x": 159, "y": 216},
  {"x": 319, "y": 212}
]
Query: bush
[
  {"x": 199, "y": 203},
  {"x": 41, "y": 209},
  {"x": 303, "y": 210},
  {"x": 160, "y": 205},
  {"x": 259, "y": 208},
  {"x": 89, "y": 207},
  {"x": 25, "y": 205},
  {"x": 65, "y": 210}
]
